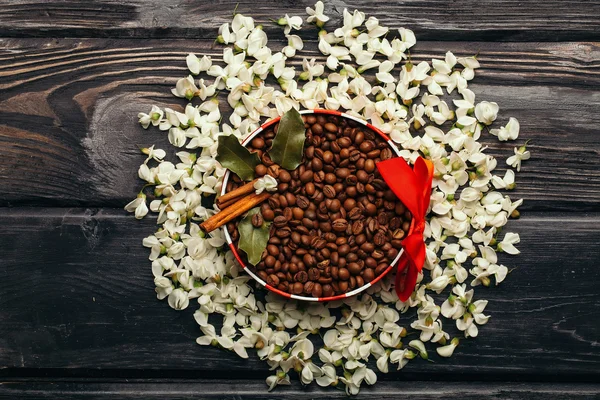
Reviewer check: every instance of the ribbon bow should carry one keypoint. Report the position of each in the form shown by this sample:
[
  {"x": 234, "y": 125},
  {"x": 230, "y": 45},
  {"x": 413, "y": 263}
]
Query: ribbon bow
[{"x": 413, "y": 188}]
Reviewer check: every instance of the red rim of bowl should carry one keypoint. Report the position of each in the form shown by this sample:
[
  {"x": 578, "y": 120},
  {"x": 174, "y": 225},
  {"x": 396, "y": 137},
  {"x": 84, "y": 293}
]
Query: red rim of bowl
[{"x": 293, "y": 296}]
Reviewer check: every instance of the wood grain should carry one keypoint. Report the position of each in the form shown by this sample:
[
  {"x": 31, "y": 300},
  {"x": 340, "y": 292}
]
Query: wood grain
[
  {"x": 495, "y": 20},
  {"x": 255, "y": 390},
  {"x": 69, "y": 132},
  {"x": 77, "y": 300}
]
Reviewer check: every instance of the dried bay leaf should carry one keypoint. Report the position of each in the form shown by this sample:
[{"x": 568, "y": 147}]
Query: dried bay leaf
[
  {"x": 232, "y": 155},
  {"x": 253, "y": 241},
  {"x": 288, "y": 145}
]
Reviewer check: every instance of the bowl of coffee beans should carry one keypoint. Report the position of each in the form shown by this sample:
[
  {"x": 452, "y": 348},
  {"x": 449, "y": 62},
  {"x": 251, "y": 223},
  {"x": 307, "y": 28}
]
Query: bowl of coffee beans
[{"x": 335, "y": 226}]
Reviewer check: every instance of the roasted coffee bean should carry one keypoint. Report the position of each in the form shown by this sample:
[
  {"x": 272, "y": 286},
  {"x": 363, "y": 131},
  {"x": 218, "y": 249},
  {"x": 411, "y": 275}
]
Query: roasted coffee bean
[
  {"x": 314, "y": 274},
  {"x": 379, "y": 239},
  {"x": 272, "y": 280},
  {"x": 297, "y": 288},
  {"x": 280, "y": 221},
  {"x": 284, "y": 176},
  {"x": 330, "y": 127},
  {"x": 317, "y": 290},
  {"x": 339, "y": 225},
  {"x": 368, "y": 274},
  {"x": 327, "y": 290},
  {"x": 306, "y": 176},
  {"x": 329, "y": 191},
  {"x": 260, "y": 170},
  {"x": 308, "y": 287},
  {"x": 301, "y": 276},
  {"x": 354, "y": 268},
  {"x": 357, "y": 227},
  {"x": 257, "y": 220},
  {"x": 302, "y": 202}
]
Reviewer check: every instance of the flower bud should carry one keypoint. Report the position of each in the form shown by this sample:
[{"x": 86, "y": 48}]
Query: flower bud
[
  {"x": 259, "y": 344},
  {"x": 515, "y": 214}
]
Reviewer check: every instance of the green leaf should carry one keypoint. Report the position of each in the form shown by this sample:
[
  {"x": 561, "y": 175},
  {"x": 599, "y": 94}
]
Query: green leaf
[
  {"x": 288, "y": 145},
  {"x": 231, "y": 154},
  {"x": 253, "y": 241}
]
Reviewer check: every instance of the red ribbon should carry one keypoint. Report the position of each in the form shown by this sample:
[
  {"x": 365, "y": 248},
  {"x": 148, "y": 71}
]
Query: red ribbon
[{"x": 413, "y": 188}]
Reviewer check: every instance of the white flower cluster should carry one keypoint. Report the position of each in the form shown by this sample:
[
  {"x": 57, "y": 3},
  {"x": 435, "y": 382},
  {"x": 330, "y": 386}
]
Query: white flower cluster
[{"x": 370, "y": 76}]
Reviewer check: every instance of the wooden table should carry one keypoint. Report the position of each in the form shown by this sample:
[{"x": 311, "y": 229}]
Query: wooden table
[{"x": 78, "y": 313}]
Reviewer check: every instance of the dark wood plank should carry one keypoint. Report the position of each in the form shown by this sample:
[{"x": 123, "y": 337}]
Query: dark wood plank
[
  {"x": 77, "y": 300},
  {"x": 531, "y": 20},
  {"x": 66, "y": 102},
  {"x": 250, "y": 389}
]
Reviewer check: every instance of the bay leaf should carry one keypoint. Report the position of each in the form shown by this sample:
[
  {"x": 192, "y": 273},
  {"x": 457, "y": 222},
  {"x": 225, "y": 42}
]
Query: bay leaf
[
  {"x": 253, "y": 241},
  {"x": 288, "y": 145},
  {"x": 232, "y": 155}
]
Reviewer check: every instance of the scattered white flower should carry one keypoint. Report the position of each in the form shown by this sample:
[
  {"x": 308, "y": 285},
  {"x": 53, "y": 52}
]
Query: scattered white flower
[
  {"x": 368, "y": 78},
  {"x": 521, "y": 154},
  {"x": 486, "y": 112},
  {"x": 508, "y": 132}
]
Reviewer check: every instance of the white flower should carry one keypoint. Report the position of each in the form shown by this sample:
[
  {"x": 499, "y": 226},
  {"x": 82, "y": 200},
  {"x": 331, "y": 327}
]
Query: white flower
[
  {"x": 281, "y": 378},
  {"x": 153, "y": 118},
  {"x": 178, "y": 299},
  {"x": 508, "y": 132},
  {"x": 138, "y": 206},
  {"x": 290, "y": 23},
  {"x": 267, "y": 183},
  {"x": 195, "y": 65},
  {"x": 486, "y": 112},
  {"x": 186, "y": 88},
  {"x": 448, "y": 350},
  {"x": 153, "y": 154},
  {"x": 294, "y": 43},
  {"x": 468, "y": 323},
  {"x": 521, "y": 154},
  {"x": 329, "y": 377},
  {"x": 507, "y": 244},
  {"x": 317, "y": 15},
  {"x": 508, "y": 182}
]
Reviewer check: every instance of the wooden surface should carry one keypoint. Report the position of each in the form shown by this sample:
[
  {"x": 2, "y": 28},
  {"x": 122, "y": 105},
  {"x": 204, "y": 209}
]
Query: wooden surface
[{"x": 78, "y": 314}]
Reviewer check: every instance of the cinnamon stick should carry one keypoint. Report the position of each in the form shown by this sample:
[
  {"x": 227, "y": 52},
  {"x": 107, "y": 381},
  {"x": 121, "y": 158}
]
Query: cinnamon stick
[
  {"x": 230, "y": 197},
  {"x": 240, "y": 207}
]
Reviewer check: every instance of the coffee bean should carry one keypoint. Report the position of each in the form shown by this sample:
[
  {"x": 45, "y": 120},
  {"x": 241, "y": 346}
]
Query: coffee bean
[
  {"x": 335, "y": 205},
  {"x": 331, "y": 127},
  {"x": 306, "y": 176},
  {"x": 301, "y": 276},
  {"x": 357, "y": 227},
  {"x": 272, "y": 280},
  {"x": 339, "y": 225},
  {"x": 317, "y": 129},
  {"x": 354, "y": 268},
  {"x": 260, "y": 170},
  {"x": 342, "y": 173},
  {"x": 268, "y": 214},
  {"x": 329, "y": 191},
  {"x": 309, "y": 287},
  {"x": 379, "y": 239},
  {"x": 280, "y": 221},
  {"x": 257, "y": 220},
  {"x": 327, "y": 290},
  {"x": 314, "y": 274},
  {"x": 362, "y": 176},
  {"x": 344, "y": 143},
  {"x": 343, "y": 287},
  {"x": 317, "y": 290},
  {"x": 368, "y": 274},
  {"x": 297, "y": 288}
]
